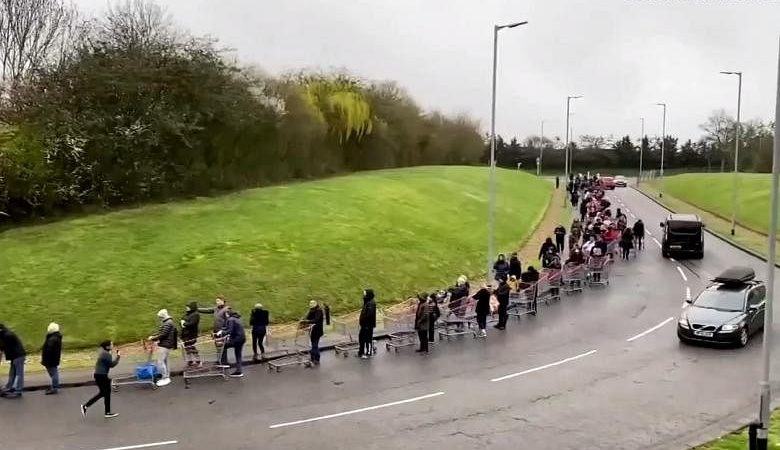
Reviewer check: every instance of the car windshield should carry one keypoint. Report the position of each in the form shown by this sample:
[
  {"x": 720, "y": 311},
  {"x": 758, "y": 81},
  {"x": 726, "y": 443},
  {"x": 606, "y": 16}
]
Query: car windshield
[
  {"x": 684, "y": 228},
  {"x": 722, "y": 298}
]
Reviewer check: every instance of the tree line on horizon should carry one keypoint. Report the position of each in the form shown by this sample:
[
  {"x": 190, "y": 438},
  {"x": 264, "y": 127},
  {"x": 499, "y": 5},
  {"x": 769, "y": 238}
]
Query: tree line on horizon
[
  {"x": 712, "y": 152},
  {"x": 127, "y": 109}
]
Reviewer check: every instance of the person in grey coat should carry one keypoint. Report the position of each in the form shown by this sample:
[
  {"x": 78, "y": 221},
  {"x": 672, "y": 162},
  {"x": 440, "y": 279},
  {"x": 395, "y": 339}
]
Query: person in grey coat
[{"x": 220, "y": 318}]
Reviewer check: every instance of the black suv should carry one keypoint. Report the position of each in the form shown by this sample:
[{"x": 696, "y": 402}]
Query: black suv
[
  {"x": 727, "y": 312},
  {"x": 683, "y": 234}
]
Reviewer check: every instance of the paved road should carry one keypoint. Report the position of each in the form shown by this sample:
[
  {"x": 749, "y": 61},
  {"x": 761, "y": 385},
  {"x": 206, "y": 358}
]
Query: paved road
[{"x": 577, "y": 382}]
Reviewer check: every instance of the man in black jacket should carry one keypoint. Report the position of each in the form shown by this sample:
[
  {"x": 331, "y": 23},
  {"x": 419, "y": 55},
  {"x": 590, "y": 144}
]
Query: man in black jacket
[
  {"x": 258, "y": 321},
  {"x": 367, "y": 325},
  {"x": 11, "y": 346},
  {"x": 502, "y": 295},
  {"x": 315, "y": 318},
  {"x": 166, "y": 339},
  {"x": 515, "y": 267},
  {"x": 190, "y": 328},
  {"x": 51, "y": 353},
  {"x": 560, "y": 237}
]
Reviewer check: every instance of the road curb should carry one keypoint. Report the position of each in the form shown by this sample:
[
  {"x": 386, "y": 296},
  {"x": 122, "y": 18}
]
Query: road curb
[
  {"x": 178, "y": 373},
  {"x": 720, "y": 236}
]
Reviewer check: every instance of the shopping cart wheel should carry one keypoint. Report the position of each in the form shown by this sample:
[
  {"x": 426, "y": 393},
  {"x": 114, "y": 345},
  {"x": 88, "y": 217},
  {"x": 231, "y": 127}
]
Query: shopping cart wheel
[
  {"x": 186, "y": 384},
  {"x": 114, "y": 388},
  {"x": 307, "y": 365},
  {"x": 154, "y": 386},
  {"x": 387, "y": 347}
]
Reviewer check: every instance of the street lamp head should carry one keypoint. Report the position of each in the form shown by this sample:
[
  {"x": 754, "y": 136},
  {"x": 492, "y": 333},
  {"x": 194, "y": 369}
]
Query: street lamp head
[
  {"x": 661, "y": 104},
  {"x": 575, "y": 96},
  {"x": 732, "y": 73},
  {"x": 512, "y": 25}
]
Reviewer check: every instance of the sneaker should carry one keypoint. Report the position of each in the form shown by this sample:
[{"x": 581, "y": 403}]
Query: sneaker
[
  {"x": 83, "y": 410},
  {"x": 363, "y": 356},
  {"x": 223, "y": 366},
  {"x": 13, "y": 395},
  {"x": 236, "y": 375},
  {"x": 110, "y": 415},
  {"x": 163, "y": 382},
  {"x": 51, "y": 392}
]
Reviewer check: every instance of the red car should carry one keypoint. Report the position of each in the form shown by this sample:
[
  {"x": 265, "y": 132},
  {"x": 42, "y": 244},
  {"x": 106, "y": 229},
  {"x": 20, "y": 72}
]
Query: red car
[{"x": 607, "y": 182}]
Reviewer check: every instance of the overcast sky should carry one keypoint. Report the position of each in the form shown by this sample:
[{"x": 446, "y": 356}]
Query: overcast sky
[{"x": 622, "y": 55}]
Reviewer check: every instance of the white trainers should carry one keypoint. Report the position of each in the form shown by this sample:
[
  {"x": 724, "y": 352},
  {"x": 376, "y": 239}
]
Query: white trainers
[{"x": 163, "y": 382}]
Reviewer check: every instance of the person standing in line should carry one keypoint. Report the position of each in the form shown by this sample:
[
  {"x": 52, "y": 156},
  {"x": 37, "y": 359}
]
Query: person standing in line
[
  {"x": 434, "y": 313},
  {"x": 314, "y": 319},
  {"x": 515, "y": 266},
  {"x": 235, "y": 338},
  {"x": 190, "y": 328},
  {"x": 560, "y": 237},
  {"x": 103, "y": 366},
  {"x": 502, "y": 295},
  {"x": 367, "y": 323},
  {"x": 259, "y": 322},
  {"x": 422, "y": 320},
  {"x": 11, "y": 346},
  {"x": 548, "y": 244},
  {"x": 167, "y": 340},
  {"x": 500, "y": 267},
  {"x": 51, "y": 354},
  {"x": 482, "y": 309},
  {"x": 220, "y": 317}
]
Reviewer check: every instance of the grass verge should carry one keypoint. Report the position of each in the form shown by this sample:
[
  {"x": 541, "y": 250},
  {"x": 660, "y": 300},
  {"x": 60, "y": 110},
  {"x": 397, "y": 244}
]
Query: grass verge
[
  {"x": 397, "y": 231},
  {"x": 739, "y": 439}
]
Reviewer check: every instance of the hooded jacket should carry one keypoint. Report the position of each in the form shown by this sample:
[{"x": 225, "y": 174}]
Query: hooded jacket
[
  {"x": 483, "y": 302},
  {"x": 315, "y": 318},
  {"x": 515, "y": 267},
  {"x": 502, "y": 293},
  {"x": 166, "y": 334},
  {"x": 548, "y": 244},
  {"x": 10, "y": 344},
  {"x": 368, "y": 312},
  {"x": 234, "y": 329},
  {"x": 191, "y": 323},
  {"x": 51, "y": 353},
  {"x": 501, "y": 268}
]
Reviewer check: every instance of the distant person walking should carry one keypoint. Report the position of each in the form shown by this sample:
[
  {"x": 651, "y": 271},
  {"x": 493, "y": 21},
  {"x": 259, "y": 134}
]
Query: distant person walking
[
  {"x": 103, "y": 366},
  {"x": 367, "y": 324},
  {"x": 11, "y": 346},
  {"x": 560, "y": 237},
  {"x": 51, "y": 354},
  {"x": 422, "y": 320},
  {"x": 167, "y": 340},
  {"x": 259, "y": 321},
  {"x": 639, "y": 234},
  {"x": 314, "y": 318},
  {"x": 190, "y": 328},
  {"x": 235, "y": 338},
  {"x": 557, "y": 182}
]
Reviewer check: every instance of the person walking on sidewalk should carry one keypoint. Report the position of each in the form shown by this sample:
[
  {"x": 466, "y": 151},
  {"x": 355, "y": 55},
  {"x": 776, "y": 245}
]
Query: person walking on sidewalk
[
  {"x": 502, "y": 295},
  {"x": 314, "y": 319},
  {"x": 482, "y": 309},
  {"x": 103, "y": 366},
  {"x": 220, "y": 317},
  {"x": 51, "y": 354},
  {"x": 235, "y": 338},
  {"x": 560, "y": 237},
  {"x": 422, "y": 319},
  {"x": 367, "y": 324},
  {"x": 190, "y": 328},
  {"x": 11, "y": 346},
  {"x": 167, "y": 340},
  {"x": 259, "y": 320}
]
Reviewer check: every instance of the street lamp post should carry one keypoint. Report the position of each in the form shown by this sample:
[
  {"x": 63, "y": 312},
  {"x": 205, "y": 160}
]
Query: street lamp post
[
  {"x": 734, "y": 204},
  {"x": 567, "y": 152},
  {"x": 763, "y": 431},
  {"x": 641, "y": 149},
  {"x": 663, "y": 145},
  {"x": 492, "y": 192},
  {"x": 541, "y": 151}
]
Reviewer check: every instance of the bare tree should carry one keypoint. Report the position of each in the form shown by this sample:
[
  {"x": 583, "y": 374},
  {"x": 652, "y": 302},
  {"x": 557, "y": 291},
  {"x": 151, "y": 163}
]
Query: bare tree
[
  {"x": 719, "y": 131},
  {"x": 32, "y": 33},
  {"x": 137, "y": 23}
]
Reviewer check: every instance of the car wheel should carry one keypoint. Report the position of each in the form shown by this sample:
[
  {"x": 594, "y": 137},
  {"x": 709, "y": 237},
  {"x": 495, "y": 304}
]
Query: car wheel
[
  {"x": 744, "y": 337},
  {"x": 698, "y": 255},
  {"x": 664, "y": 253}
]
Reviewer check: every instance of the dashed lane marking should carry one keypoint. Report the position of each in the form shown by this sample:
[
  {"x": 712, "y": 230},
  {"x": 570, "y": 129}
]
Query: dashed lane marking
[
  {"x": 649, "y": 330},
  {"x": 682, "y": 274},
  {"x": 546, "y": 366},
  {"x": 153, "y": 444},
  {"x": 356, "y": 411}
]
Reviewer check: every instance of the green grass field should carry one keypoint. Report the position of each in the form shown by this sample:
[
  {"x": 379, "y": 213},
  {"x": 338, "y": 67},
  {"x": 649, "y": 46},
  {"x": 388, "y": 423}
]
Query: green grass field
[
  {"x": 713, "y": 193},
  {"x": 397, "y": 231},
  {"x": 739, "y": 439}
]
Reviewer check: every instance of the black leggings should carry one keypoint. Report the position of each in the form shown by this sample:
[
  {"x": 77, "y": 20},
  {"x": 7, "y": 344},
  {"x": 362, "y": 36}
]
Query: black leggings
[
  {"x": 482, "y": 320},
  {"x": 258, "y": 334},
  {"x": 104, "y": 392},
  {"x": 423, "y": 336},
  {"x": 365, "y": 340}
]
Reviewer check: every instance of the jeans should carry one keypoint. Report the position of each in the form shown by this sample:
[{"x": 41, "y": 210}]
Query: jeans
[
  {"x": 238, "y": 349},
  {"x": 315, "y": 348},
  {"x": 191, "y": 354},
  {"x": 104, "y": 392},
  {"x": 258, "y": 335},
  {"x": 16, "y": 376},
  {"x": 54, "y": 374},
  {"x": 162, "y": 361}
]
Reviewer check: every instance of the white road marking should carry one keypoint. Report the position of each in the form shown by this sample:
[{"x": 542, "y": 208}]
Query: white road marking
[
  {"x": 633, "y": 216},
  {"x": 656, "y": 242},
  {"x": 153, "y": 444},
  {"x": 672, "y": 260},
  {"x": 628, "y": 210},
  {"x": 687, "y": 292},
  {"x": 649, "y": 233},
  {"x": 356, "y": 411},
  {"x": 650, "y": 330},
  {"x": 682, "y": 274},
  {"x": 546, "y": 366}
]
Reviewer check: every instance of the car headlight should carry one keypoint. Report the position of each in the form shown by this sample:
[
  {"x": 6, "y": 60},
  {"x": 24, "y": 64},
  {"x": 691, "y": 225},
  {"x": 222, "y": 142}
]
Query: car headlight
[
  {"x": 683, "y": 322},
  {"x": 730, "y": 327}
]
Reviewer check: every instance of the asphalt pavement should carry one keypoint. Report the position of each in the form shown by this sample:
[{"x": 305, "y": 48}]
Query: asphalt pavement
[{"x": 598, "y": 370}]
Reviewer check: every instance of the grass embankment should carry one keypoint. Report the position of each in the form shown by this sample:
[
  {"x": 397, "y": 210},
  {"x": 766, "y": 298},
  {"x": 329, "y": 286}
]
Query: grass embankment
[
  {"x": 397, "y": 231},
  {"x": 710, "y": 196},
  {"x": 739, "y": 439}
]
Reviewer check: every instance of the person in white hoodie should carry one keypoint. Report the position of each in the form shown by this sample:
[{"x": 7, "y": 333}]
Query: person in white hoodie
[{"x": 167, "y": 340}]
